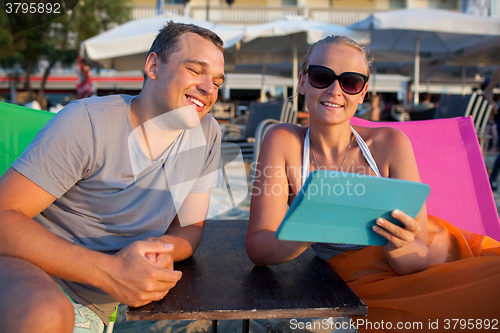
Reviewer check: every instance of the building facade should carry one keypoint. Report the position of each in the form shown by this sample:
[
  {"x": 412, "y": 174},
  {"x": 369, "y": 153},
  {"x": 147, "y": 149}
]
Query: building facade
[{"x": 343, "y": 12}]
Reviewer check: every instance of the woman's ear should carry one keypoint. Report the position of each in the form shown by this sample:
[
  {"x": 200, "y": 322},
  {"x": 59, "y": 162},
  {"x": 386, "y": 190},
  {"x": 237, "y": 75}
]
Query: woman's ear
[
  {"x": 151, "y": 66},
  {"x": 363, "y": 94},
  {"x": 302, "y": 82}
]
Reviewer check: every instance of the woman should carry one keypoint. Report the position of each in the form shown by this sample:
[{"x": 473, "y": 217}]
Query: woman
[{"x": 403, "y": 280}]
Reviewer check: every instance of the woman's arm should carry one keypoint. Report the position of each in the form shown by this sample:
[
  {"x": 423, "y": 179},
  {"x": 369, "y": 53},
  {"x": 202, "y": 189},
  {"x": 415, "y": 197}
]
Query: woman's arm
[
  {"x": 406, "y": 249},
  {"x": 269, "y": 200}
]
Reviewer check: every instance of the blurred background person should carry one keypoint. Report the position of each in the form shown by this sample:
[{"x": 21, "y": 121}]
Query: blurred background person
[
  {"x": 84, "y": 88},
  {"x": 375, "y": 105},
  {"x": 488, "y": 94}
]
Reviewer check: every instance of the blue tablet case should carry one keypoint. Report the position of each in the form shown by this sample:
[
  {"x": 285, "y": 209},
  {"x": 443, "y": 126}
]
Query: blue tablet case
[{"x": 339, "y": 207}]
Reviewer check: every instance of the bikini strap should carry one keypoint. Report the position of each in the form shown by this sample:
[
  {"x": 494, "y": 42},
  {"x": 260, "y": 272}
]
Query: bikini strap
[
  {"x": 305, "y": 158},
  {"x": 361, "y": 143},
  {"x": 366, "y": 152}
]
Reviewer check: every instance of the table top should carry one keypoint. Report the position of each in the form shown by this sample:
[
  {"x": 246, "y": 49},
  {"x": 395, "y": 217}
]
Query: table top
[{"x": 220, "y": 282}]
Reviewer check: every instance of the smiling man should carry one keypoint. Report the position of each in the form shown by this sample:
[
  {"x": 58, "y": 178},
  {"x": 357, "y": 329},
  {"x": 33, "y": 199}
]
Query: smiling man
[{"x": 112, "y": 192}]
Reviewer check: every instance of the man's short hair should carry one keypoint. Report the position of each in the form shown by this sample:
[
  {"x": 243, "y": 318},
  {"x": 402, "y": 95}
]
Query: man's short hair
[{"x": 167, "y": 40}]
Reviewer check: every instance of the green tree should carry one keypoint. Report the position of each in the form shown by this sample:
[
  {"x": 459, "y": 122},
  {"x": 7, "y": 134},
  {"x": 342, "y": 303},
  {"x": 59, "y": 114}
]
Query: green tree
[{"x": 57, "y": 40}]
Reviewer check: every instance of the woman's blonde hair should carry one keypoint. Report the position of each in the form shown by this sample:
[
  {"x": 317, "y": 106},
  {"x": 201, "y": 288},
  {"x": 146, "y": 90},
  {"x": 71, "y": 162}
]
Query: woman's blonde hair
[{"x": 368, "y": 55}]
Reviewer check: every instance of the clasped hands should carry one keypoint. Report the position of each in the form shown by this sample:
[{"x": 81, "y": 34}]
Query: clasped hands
[{"x": 141, "y": 272}]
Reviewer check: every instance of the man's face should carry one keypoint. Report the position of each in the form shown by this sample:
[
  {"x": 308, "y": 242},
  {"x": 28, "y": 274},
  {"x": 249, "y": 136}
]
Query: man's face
[{"x": 191, "y": 77}]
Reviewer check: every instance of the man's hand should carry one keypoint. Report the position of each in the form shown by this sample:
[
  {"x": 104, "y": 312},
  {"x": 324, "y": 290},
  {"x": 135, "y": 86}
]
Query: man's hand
[
  {"x": 135, "y": 280},
  {"x": 165, "y": 260}
]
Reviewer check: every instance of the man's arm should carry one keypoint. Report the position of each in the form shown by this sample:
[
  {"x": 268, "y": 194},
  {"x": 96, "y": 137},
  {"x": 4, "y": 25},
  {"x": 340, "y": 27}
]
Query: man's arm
[
  {"x": 127, "y": 276},
  {"x": 186, "y": 231}
]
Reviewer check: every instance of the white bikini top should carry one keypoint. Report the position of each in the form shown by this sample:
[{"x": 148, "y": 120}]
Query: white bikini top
[
  {"x": 324, "y": 250},
  {"x": 361, "y": 143}
]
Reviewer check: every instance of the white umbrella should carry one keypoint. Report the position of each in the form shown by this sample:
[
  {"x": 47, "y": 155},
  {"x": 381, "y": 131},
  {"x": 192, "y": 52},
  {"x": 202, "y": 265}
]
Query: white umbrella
[
  {"x": 483, "y": 53},
  {"x": 433, "y": 32},
  {"x": 287, "y": 39},
  {"x": 125, "y": 46}
]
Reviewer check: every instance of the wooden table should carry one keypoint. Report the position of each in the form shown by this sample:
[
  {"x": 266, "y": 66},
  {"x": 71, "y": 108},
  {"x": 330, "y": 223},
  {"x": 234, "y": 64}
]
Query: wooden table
[{"x": 220, "y": 282}]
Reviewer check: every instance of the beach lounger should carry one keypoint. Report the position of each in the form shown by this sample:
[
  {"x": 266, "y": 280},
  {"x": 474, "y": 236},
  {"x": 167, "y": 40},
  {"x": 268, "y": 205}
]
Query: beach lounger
[
  {"x": 474, "y": 105},
  {"x": 449, "y": 159},
  {"x": 244, "y": 136},
  {"x": 18, "y": 127},
  {"x": 450, "y": 106},
  {"x": 479, "y": 109}
]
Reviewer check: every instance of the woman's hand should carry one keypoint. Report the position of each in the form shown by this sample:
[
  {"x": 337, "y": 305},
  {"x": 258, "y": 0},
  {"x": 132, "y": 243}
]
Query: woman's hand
[
  {"x": 397, "y": 236},
  {"x": 405, "y": 250}
]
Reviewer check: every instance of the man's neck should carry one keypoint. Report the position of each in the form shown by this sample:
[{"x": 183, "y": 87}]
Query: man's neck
[
  {"x": 153, "y": 133},
  {"x": 137, "y": 108}
]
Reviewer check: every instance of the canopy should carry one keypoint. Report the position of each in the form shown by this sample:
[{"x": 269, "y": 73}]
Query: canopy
[
  {"x": 125, "y": 46},
  {"x": 433, "y": 33},
  {"x": 276, "y": 40},
  {"x": 287, "y": 39},
  {"x": 485, "y": 52}
]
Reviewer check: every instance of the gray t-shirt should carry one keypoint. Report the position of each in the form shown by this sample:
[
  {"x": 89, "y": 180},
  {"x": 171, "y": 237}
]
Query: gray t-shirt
[{"x": 109, "y": 193}]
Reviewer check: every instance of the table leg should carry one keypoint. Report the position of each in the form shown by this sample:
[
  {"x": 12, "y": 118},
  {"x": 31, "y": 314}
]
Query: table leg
[
  {"x": 214, "y": 326},
  {"x": 246, "y": 326}
]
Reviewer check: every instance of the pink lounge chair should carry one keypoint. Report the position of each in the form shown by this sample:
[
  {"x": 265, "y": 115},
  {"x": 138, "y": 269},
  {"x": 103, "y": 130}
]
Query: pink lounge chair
[{"x": 449, "y": 160}]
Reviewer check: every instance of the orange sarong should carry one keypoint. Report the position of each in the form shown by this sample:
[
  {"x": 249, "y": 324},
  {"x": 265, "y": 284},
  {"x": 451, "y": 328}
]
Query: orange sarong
[{"x": 459, "y": 291}]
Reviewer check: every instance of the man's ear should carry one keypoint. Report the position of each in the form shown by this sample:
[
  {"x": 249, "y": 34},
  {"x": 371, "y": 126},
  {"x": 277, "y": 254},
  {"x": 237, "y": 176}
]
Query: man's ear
[{"x": 151, "y": 66}]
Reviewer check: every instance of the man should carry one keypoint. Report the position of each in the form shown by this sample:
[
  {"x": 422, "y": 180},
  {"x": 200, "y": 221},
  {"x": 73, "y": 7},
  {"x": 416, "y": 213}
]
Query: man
[{"x": 111, "y": 192}]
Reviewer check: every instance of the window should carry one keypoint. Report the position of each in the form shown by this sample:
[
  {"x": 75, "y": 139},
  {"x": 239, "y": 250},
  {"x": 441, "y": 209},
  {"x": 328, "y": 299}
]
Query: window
[
  {"x": 397, "y": 4},
  {"x": 289, "y": 2}
]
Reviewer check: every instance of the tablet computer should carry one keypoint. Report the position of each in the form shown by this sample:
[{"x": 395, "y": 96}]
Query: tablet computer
[{"x": 340, "y": 207}]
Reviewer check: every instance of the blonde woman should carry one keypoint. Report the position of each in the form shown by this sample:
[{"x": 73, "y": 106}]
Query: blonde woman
[{"x": 405, "y": 280}]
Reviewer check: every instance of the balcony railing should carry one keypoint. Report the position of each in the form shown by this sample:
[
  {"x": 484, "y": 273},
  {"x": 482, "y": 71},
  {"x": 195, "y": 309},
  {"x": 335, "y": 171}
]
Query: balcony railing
[
  {"x": 244, "y": 15},
  {"x": 255, "y": 14},
  {"x": 341, "y": 17},
  {"x": 145, "y": 12}
]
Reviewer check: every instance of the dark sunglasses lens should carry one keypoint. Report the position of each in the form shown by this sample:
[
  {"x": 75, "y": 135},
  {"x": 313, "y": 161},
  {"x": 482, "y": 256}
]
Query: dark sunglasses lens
[
  {"x": 320, "y": 77},
  {"x": 352, "y": 83}
]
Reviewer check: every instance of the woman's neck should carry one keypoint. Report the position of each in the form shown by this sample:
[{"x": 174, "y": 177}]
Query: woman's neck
[{"x": 328, "y": 140}]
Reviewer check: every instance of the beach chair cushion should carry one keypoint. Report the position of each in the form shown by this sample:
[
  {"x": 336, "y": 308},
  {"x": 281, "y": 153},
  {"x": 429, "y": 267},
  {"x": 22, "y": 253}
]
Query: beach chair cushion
[
  {"x": 261, "y": 111},
  {"x": 449, "y": 160},
  {"x": 450, "y": 106},
  {"x": 18, "y": 127}
]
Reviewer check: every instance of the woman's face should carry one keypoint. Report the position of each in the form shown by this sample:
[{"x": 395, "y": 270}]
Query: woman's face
[{"x": 331, "y": 105}]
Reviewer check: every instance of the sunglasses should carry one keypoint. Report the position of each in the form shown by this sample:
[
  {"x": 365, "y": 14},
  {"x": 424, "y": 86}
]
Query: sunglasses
[{"x": 322, "y": 77}]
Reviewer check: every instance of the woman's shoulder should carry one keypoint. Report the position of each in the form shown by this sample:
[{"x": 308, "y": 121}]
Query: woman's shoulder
[
  {"x": 286, "y": 133},
  {"x": 284, "y": 140},
  {"x": 389, "y": 147},
  {"x": 383, "y": 136}
]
